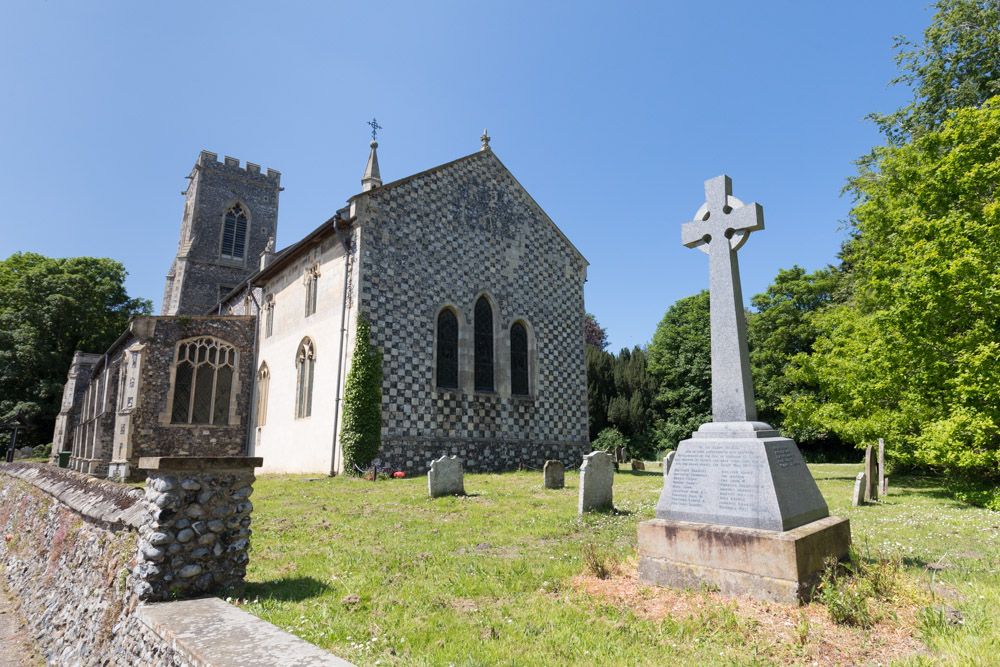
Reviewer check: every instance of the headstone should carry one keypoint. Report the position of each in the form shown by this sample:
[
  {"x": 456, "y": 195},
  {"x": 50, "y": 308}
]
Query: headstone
[
  {"x": 597, "y": 475},
  {"x": 885, "y": 487},
  {"x": 860, "y": 483},
  {"x": 620, "y": 454},
  {"x": 668, "y": 460},
  {"x": 24, "y": 452},
  {"x": 445, "y": 477},
  {"x": 638, "y": 465},
  {"x": 739, "y": 509},
  {"x": 881, "y": 467},
  {"x": 871, "y": 475},
  {"x": 555, "y": 474}
]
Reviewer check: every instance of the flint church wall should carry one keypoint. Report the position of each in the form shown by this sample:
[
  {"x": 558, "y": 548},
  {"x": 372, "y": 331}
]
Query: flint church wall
[{"x": 441, "y": 239}]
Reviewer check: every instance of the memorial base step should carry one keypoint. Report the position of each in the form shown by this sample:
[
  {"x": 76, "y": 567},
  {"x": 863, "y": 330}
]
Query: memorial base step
[{"x": 781, "y": 567}]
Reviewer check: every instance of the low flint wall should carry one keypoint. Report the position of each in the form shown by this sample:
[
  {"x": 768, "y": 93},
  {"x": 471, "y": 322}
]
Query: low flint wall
[{"x": 82, "y": 557}]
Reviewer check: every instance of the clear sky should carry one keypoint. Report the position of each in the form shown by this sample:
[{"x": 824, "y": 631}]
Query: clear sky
[{"x": 612, "y": 115}]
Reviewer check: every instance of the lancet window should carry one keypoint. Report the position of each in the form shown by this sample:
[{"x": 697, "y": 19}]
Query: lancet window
[
  {"x": 305, "y": 365},
  {"x": 518, "y": 359},
  {"x": 234, "y": 232},
  {"x": 447, "y": 350},
  {"x": 483, "y": 345}
]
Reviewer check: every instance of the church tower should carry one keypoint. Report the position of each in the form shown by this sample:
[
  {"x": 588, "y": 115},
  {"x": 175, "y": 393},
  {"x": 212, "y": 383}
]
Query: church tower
[{"x": 230, "y": 216}]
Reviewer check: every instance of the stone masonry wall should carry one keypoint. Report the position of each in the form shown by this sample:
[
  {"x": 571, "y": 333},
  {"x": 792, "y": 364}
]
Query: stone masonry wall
[
  {"x": 192, "y": 286},
  {"x": 441, "y": 239},
  {"x": 81, "y": 555},
  {"x": 147, "y": 425}
]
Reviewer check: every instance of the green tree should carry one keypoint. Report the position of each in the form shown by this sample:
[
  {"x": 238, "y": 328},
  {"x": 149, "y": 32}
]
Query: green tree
[
  {"x": 600, "y": 388},
  {"x": 956, "y": 66},
  {"x": 782, "y": 327},
  {"x": 914, "y": 357},
  {"x": 680, "y": 358},
  {"x": 50, "y": 308},
  {"x": 361, "y": 435}
]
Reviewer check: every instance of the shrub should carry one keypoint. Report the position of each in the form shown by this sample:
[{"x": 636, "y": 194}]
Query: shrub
[
  {"x": 610, "y": 439},
  {"x": 43, "y": 451},
  {"x": 361, "y": 436}
]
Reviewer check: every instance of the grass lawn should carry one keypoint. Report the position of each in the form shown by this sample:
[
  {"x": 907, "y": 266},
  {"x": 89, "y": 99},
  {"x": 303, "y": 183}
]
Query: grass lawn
[{"x": 378, "y": 573}]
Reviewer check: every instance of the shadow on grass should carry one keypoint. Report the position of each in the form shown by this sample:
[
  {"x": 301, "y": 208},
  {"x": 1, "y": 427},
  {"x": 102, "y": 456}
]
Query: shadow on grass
[
  {"x": 289, "y": 589},
  {"x": 641, "y": 473},
  {"x": 833, "y": 478}
]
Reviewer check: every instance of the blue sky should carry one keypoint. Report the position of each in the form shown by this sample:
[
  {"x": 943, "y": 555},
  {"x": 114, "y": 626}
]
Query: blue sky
[{"x": 612, "y": 115}]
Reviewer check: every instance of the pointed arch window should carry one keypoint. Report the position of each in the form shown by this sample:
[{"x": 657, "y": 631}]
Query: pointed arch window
[
  {"x": 447, "y": 350},
  {"x": 234, "y": 232},
  {"x": 263, "y": 385},
  {"x": 269, "y": 316},
  {"x": 518, "y": 359},
  {"x": 483, "y": 345},
  {"x": 305, "y": 365},
  {"x": 203, "y": 382}
]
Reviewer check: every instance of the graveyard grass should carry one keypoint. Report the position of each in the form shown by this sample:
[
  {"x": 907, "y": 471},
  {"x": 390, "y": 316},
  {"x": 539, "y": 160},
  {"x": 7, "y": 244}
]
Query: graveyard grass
[{"x": 379, "y": 573}]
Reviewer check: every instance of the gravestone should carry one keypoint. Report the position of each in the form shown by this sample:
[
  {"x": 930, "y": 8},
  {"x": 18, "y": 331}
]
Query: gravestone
[
  {"x": 860, "y": 483},
  {"x": 638, "y": 465},
  {"x": 881, "y": 467},
  {"x": 871, "y": 475},
  {"x": 554, "y": 474},
  {"x": 668, "y": 460},
  {"x": 739, "y": 510},
  {"x": 620, "y": 454},
  {"x": 445, "y": 477},
  {"x": 885, "y": 487},
  {"x": 597, "y": 475}
]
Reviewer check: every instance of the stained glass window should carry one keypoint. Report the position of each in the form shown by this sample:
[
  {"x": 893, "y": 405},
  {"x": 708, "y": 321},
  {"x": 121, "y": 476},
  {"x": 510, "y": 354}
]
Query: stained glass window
[
  {"x": 447, "y": 350},
  {"x": 483, "y": 345},
  {"x": 518, "y": 359},
  {"x": 234, "y": 232},
  {"x": 203, "y": 382}
]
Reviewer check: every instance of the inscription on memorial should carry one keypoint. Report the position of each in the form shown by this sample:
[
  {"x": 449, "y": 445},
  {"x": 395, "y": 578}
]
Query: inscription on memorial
[
  {"x": 784, "y": 457},
  {"x": 715, "y": 476}
]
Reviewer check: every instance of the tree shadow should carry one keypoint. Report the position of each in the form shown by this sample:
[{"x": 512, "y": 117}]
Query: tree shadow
[
  {"x": 641, "y": 473},
  {"x": 287, "y": 589}
]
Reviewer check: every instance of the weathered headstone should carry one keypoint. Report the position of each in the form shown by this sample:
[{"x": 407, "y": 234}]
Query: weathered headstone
[
  {"x": 445, "y": 477},
  {"x": 668, "y": 460},
  {"x": 620, "y": 454},
  {"x": 739, "y": 510},
  {"x": 638, "y": 465},
  {"x": 885, "y": 487},
  {"x": 554, "y": 474},
  {"x": 597, "y": 475},
  {"x": 881, "y": 467},
  {"x": 871, "y": 475},
  {"x": 860, "y": 483},
  {"x": 24, "y": 452}
]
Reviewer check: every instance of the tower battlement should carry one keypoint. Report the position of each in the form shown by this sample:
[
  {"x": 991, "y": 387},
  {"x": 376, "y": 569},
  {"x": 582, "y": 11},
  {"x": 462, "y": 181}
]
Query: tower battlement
[{"x": 209, "y": 160}]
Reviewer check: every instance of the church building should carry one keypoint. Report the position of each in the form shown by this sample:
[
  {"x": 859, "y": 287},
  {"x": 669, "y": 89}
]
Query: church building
[{"x": 473, "y": 295}]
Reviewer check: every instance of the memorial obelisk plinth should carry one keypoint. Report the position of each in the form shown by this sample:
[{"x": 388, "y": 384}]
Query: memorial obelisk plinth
[{"x": 739, "y": 510}]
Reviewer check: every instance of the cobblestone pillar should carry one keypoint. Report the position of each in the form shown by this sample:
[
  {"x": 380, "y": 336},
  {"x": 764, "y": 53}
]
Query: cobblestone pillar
[{"x": 196, "y": 525}]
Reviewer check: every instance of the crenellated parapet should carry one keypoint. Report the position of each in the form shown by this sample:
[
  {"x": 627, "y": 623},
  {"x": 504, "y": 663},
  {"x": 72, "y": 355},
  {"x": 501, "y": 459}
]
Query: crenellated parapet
[{"x": 209, "y": 160}]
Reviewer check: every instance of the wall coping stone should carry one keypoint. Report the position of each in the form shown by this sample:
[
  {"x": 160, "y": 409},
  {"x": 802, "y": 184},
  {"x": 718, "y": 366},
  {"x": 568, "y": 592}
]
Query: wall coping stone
[
  {"x": 115, "y": 504},
  {"x": 209, "y": 631},
  {"x": 199, "y": 462}
]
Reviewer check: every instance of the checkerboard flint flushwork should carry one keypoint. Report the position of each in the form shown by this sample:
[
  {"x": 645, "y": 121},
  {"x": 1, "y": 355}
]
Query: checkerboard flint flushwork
[{"x": 443, "y": 238}]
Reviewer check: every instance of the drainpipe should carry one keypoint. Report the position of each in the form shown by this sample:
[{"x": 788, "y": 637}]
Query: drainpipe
[
  {"x": 252, "y": 412},
  {"x": 340, "y": 354}
]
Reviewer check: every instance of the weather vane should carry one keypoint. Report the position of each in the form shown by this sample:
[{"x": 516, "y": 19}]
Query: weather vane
[{"x": 375, "y": 127}]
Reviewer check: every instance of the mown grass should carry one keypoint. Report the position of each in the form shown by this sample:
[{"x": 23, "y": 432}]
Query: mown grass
[{"x": 379, "y": 573}]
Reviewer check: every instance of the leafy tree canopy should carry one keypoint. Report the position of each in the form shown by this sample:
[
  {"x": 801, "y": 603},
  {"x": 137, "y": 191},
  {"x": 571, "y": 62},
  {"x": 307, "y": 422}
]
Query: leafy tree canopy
[
  {"x": 915, "y": 356},
  {"x": 680, "y": 358},
  {"x": 783, "y": 327},
  {"x": 50, "y": 308},
  {"x": 956, "y": 66},
  {"x": 594, "y": 333}
]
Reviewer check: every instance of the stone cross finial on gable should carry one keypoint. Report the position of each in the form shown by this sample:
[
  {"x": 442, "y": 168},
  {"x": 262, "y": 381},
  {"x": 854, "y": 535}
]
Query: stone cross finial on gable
[
  {"x": 486, "y": 141},
  {"x": 720, "y": 228}
]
